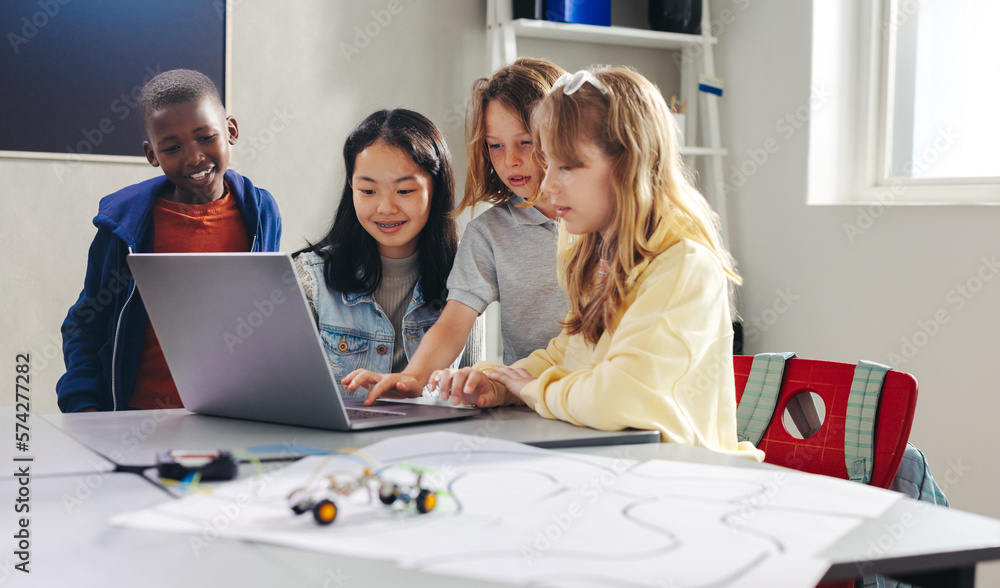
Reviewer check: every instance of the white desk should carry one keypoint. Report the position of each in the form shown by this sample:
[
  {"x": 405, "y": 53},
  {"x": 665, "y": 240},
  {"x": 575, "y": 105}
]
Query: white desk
[
  {"x": 72, "y": 543},
  {"x": 939, "y": 546},
  {"x": 132, "y": 438},
  {"x": 56, "y": 452}
]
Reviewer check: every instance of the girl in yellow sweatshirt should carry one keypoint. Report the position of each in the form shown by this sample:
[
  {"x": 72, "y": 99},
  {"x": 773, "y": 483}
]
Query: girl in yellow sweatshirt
[{"x": 648, "y": 339}]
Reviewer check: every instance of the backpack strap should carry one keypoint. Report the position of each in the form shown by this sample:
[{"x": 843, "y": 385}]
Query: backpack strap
[
  {"x": 760, "y": 395},
  {"x": 859, "y": 425}
]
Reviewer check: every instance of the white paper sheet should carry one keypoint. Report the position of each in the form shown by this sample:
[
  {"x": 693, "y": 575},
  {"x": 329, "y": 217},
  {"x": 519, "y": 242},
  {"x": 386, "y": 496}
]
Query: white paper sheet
[{"x": 523, "y": 515}]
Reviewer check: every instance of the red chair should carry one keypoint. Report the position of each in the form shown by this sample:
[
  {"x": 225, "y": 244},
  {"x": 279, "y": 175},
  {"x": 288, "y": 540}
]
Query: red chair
[{"x": 823, "y": 452}]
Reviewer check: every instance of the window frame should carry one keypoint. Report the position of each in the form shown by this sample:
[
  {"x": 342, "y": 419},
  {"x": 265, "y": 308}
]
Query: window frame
[{"x": 868, "y": 113}]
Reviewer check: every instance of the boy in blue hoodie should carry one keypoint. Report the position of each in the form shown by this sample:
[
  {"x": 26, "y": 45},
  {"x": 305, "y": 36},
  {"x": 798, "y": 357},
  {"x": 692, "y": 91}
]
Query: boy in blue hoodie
[{"x": 113, "y": 359}]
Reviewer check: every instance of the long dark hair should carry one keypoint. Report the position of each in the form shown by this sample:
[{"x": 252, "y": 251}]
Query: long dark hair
[{"x": 351, "y": 261}]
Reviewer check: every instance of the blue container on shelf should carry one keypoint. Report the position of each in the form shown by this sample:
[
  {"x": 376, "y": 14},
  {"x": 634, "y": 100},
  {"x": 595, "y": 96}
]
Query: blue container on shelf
[{"x": 592, "y": 12}]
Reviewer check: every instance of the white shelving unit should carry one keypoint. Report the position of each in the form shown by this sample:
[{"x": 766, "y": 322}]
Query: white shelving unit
[
  {"x": 702, "y": 135},
  {"x": 543, "y": 29}
]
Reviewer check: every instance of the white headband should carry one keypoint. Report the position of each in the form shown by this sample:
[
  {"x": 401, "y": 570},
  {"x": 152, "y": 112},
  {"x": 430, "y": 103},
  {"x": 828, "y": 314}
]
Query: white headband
[{"x": 570, "y": 83}]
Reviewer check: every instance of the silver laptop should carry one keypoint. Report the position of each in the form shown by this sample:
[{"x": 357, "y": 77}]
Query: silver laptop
[{"x": 240, "y": 340}]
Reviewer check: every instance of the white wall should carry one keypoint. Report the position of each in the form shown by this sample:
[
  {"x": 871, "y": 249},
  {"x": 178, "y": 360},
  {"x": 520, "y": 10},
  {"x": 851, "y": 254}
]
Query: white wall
[{"x": 868, "y": 298}]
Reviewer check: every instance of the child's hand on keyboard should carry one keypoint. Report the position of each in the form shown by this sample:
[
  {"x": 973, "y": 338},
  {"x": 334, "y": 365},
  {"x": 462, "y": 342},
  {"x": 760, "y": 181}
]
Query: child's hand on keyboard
[
  {"x": 464, "y": 386},
  {"x": 398, "y": 385}
]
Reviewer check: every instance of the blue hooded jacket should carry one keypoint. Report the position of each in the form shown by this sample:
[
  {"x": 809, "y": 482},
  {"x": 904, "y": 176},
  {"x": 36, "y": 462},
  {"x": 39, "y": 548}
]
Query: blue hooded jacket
[{"x": 103, "y": 331}]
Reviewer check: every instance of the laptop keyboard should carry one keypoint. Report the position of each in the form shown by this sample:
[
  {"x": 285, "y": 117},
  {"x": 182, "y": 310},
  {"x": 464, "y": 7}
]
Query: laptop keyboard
[{"x": 357, "y": 414}]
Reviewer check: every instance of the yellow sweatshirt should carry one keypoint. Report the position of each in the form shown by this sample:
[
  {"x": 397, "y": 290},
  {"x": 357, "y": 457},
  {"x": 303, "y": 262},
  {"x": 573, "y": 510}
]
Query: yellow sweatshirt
[{"x": 668, "y": 366}]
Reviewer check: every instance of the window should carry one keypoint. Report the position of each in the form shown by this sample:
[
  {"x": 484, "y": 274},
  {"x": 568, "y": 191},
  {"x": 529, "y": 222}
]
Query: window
[
  {"x": 942, "y": 66},
  {"x": 914, "y": 120}
]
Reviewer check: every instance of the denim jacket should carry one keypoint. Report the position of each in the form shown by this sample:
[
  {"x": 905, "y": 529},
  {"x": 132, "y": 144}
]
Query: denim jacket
[{"x": 356, "y": 333}]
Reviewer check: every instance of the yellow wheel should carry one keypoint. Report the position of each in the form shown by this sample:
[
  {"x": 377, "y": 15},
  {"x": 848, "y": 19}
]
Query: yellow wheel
[
  {"x": 426, "y": 501},
  {"x": 324, "y": 512}
]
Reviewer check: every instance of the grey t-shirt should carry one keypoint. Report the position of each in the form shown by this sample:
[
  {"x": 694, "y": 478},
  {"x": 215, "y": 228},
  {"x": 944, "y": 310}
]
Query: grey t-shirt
[{"x": 509, "y": 254}]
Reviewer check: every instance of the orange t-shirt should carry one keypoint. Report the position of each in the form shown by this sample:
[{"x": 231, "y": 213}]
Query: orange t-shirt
[{"x": 183, "y": 228}]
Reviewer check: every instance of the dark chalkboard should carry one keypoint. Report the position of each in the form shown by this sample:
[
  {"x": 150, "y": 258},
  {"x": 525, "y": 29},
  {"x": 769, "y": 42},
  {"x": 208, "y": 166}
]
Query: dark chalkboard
[{"x": 71, "y": 69}]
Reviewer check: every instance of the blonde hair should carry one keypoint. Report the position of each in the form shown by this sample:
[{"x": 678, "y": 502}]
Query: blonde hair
[
  {"x": 655, "y": 203},
  {"x": 518, "y": 87}
]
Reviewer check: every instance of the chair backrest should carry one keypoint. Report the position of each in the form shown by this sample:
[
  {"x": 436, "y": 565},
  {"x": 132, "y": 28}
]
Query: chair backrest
[{"x": 823, "y": 452}]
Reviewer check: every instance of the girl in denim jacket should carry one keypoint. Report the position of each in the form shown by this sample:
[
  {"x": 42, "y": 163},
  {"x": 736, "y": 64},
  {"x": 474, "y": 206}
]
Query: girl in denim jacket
[
  {"x": 507, "y": 253},
  {"x": 377, "y": 281}
]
